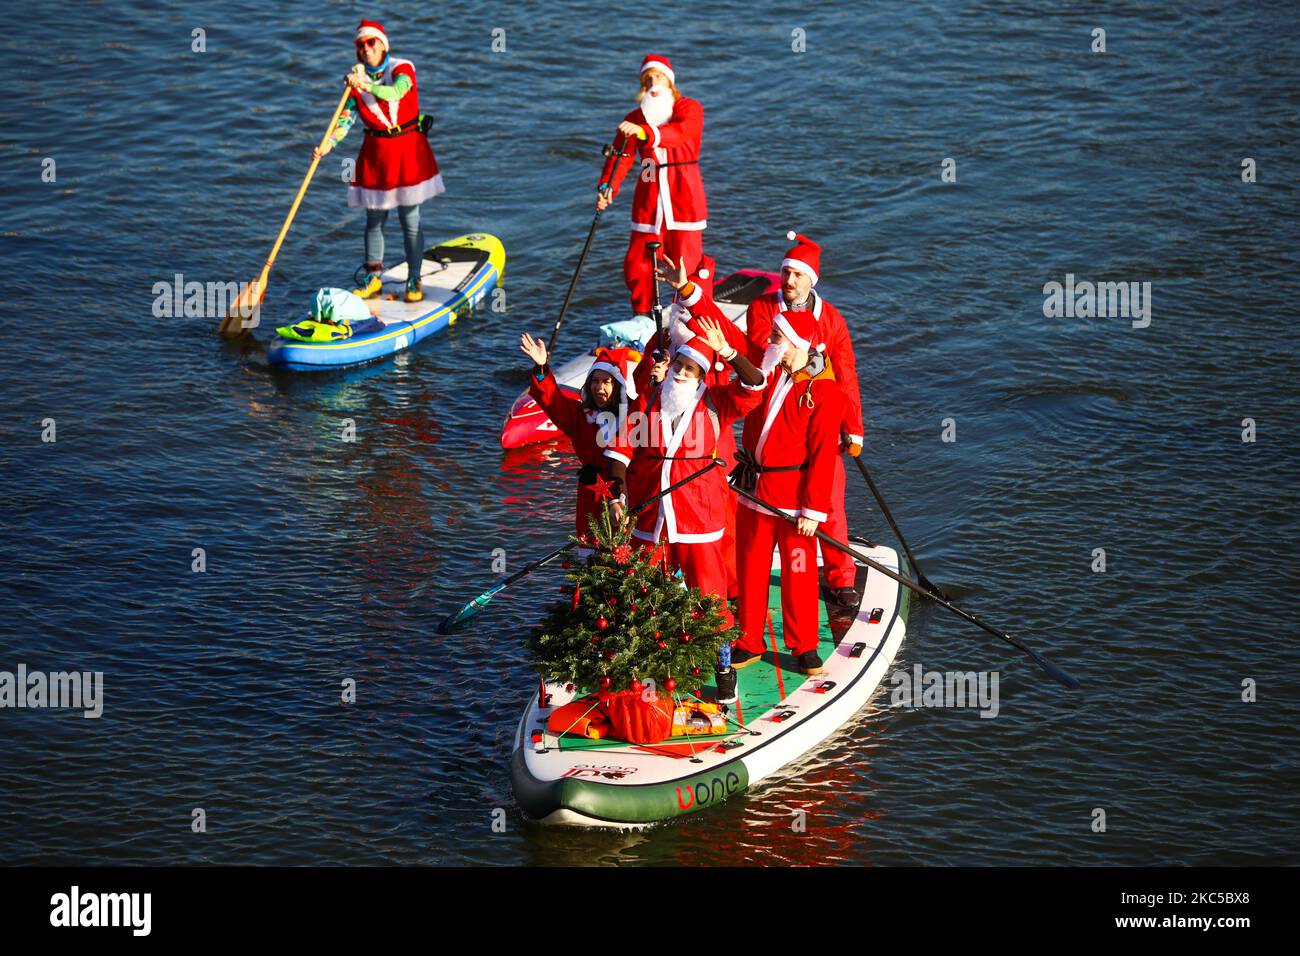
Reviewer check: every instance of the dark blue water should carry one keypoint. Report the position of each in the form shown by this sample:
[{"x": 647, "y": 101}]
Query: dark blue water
[{"x": 329, "y": 560}]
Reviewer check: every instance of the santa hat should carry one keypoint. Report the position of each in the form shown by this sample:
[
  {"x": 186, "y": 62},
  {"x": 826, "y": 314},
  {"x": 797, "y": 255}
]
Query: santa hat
[
  {"x": 618, "y": 363},
  {"x": 804, "y": 256},
  {"x": 660, "y": 63},
  {"x": 699, "y": 352},
  {"x": 368, "y": 29},
  {"x": 708, "y": 268},
  {"x": 798, "y": 326}
]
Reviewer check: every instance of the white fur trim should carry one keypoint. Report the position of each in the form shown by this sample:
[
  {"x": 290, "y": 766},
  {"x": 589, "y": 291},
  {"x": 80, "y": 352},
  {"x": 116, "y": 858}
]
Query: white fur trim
[
  {"x": 774, "y": 403},
  {"x": 789, "y": 512},
  {"x": 791, "y": 235},
  {"x": 817, "y": 516},
  {"x": 782, "y": 323},
  {"x": 401, "y": 196},
  {"x": 800, "y": 266},
  {"x": 662, "y": 67},
  {"x": 855, "y": 439},
  {"x": 703, "y": 538},
  {"x": 704, "y": 273},
  {"x": 694, "y": 356},
  {"x": 694, "y": 297},
  {"x": 366, "y": 33},
  {"x": 609, "y": 453}
]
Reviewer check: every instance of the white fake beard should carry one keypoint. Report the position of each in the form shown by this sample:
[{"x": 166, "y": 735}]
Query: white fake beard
[
  {"x": 657, "y": 105},
  {"x": 772, "y": 356},
  {"x": 677, "y": 395}
]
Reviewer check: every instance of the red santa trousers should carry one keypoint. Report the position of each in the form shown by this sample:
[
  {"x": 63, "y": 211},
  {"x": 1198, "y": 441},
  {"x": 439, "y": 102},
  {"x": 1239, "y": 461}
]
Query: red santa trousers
[
  {"x": 840, "y": 570},
  {"x": 756, "y": 534},
  {"x": 637, "y": 270}
]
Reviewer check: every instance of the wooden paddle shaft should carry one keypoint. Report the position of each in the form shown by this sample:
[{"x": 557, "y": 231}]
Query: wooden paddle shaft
[{"x": 302, "y": 190}]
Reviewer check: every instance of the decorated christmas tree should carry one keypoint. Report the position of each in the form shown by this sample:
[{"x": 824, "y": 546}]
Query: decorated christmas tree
[{"x": 624, "y": 620}]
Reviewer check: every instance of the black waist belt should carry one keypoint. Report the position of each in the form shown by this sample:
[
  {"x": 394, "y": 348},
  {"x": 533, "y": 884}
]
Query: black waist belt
[
  {"x": 746, "y": 472},
  {"x": 680, "y": 457},
  {"x": 421, "y": 122},
  {"x": 683, "y": 162}
]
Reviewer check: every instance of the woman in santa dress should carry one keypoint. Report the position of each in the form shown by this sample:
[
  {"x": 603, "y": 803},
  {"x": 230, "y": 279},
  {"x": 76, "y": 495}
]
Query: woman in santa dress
[
  {"x": 396, "y": 166},
  {"x": 669, "y": 204},
  {"x": 595, "y": 423}
]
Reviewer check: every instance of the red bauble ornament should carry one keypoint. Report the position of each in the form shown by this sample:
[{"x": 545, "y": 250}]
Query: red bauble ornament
[
  {"x": 602, "y": 623},
  {"x": 609, "y": 655},
  {"x": 632, "y": 608},
  {"x": 670, "y": 685},
  {"x": 654, "y": 611},
  {"x": 684, "y": 637},
  {"x": 565, "y": 565},
  {"x": 568, "y": 687},
  {"x": 696, "y": 615},
  {"x": 663, "y": 646},
  {"x": 629, "y": 572},
  {"x": 612, "y": 602},
  {"x": 695, "y": 672},
  {"x": 644, "y": 589},
  {"x": 604, "y": 682},
  {"x": 636, "y": 686}
]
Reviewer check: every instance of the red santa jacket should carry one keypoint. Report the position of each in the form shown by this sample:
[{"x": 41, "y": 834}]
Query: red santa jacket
[
  {"x": 393, "y": 170},
  {"x": 832, "y": 333},
  {"x": 696, "y": 512},
  {"x": 671, "y": 194},
  {"x": 597, "y": 437},
  {"x": 796, "y": 428}
]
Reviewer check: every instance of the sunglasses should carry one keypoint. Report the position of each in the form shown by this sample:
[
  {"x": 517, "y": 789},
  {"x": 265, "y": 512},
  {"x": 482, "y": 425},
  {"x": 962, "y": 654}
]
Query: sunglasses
[{"x": 368, "y": 42}]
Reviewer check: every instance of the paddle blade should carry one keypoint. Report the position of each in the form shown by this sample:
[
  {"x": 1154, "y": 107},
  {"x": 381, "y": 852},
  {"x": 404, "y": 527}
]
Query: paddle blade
[
  {"x": 933, "y": 588},
  {"x": 236, "y": 321},
  {"x": 462, "y": 617},
  {"x": 1060, "y": 675}
]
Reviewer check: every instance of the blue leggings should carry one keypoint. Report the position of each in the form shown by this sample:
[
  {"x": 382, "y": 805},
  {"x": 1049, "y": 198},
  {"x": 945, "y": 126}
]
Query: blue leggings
[{"x": 412, "y": 237}]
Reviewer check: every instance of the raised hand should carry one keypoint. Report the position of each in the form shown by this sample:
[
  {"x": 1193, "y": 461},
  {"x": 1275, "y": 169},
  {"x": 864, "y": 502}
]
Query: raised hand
[
  {"x": 713, "y": 334},
  {"x": 677, "y": 277},
  {"x": 535, "y": 349}
]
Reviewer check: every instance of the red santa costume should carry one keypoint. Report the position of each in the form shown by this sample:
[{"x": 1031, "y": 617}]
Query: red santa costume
[
  {"x": 790, "y": 446},
  {"x": 689, "y": 523},
  {"x": 396, "y": 166},
  {"x": 831, "y": 337},
  {"x": 681, "y": 327},
  {"x": 668, "y": 205},
  {"x": 598, "y": 436}
]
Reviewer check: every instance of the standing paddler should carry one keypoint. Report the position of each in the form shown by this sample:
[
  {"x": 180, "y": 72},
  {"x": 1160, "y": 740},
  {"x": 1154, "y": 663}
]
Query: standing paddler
[
  {"x": 830, "y": 336},
  {"x": 396, "y": 166},
  {"x": 668, "y": 206}
]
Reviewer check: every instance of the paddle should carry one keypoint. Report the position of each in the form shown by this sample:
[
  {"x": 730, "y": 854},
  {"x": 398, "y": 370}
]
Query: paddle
[
  {"x": 471, "y": 608},
  {"x": 652, "y": 249},
  {"x": 232, "y": 326},
  {"x": 911, "y": 561},
  {"x": 617, "y": 152},
  {"x": 1037, "y": 658}
]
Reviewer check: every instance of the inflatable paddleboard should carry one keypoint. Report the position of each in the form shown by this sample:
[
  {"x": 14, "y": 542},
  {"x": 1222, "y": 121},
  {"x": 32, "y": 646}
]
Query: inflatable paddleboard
[
  {"x": 456, "y": 274},
  {"x": 780, "y": 716},
  {"x": 528, "y": 423}
]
